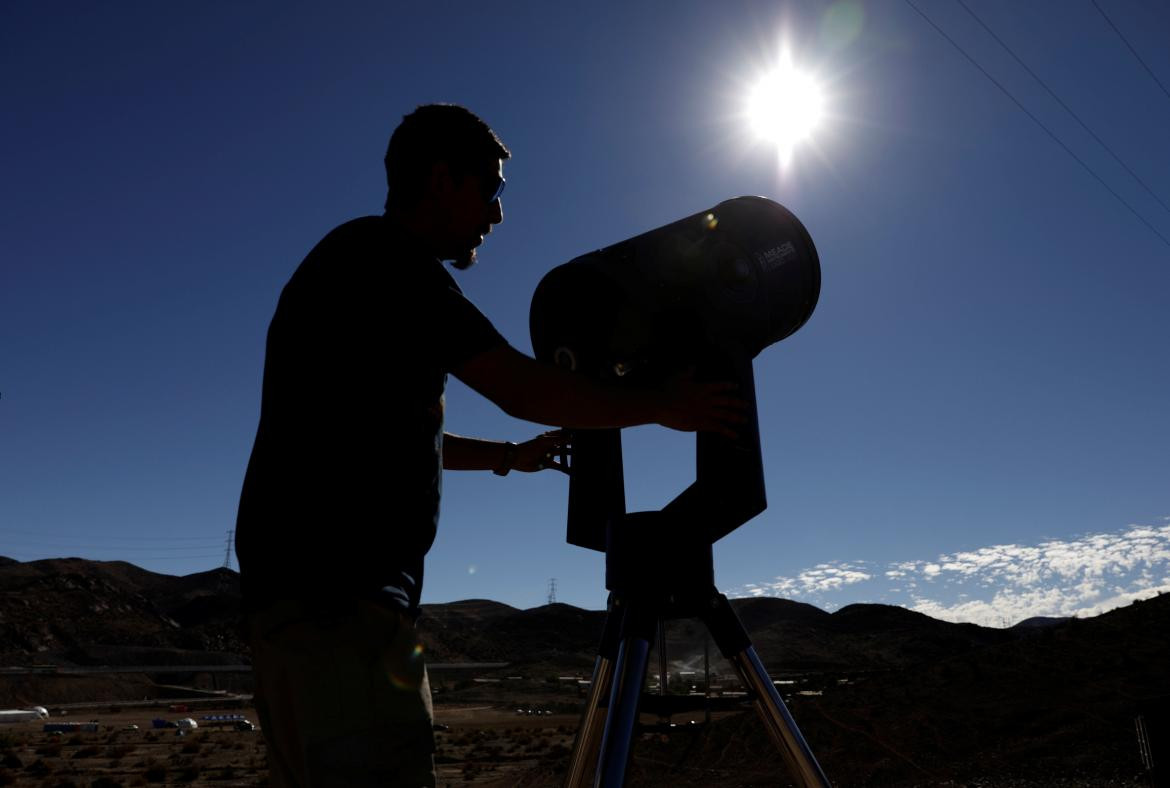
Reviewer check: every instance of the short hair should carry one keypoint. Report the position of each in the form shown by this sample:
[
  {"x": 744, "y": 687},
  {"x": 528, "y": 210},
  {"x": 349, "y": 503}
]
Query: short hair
[{"x": 434, "y": 133}]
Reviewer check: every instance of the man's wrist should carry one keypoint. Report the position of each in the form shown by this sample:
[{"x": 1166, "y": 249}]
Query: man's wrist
[{"x": 507, "y": 459}]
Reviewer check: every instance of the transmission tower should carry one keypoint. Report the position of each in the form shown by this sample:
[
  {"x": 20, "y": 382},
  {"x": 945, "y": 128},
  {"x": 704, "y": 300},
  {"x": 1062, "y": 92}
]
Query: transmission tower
[
  {"x": 227, "y": 553},
  {"x": 552, "y": 591}
]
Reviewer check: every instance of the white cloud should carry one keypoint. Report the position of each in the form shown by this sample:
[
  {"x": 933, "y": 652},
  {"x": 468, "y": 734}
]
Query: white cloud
[
  {"x": 822, "y": 577},
  {"x": 1001, "y": 584}
]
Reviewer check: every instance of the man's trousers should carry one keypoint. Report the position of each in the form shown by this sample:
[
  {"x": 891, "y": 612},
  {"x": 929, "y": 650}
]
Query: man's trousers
[{"x": 342, "y": 696}]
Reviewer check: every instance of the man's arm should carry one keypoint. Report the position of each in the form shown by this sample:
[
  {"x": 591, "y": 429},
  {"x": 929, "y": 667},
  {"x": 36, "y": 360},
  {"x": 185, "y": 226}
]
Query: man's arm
[
  {"x": 471, "y": 454},
  {"x": 475, "y": 454},
  {"x": 527, "y": 389}
]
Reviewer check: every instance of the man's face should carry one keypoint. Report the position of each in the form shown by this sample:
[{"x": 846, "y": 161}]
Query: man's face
[{"x": 473, "y": 208}]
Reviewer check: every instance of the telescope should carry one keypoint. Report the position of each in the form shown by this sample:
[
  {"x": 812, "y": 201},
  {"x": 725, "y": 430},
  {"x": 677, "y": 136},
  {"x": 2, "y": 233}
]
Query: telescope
[{"x": 706, "y": 293}]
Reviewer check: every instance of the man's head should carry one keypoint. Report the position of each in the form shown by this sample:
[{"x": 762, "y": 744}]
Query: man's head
[{"x": 444, "y": 171}]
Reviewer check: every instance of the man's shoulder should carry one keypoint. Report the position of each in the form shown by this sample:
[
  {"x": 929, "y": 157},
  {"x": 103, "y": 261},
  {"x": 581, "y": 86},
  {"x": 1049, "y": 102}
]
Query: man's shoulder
[
  {"x": 364, "y": 234},
  {"x": 366, "y": 257},
  {"x": 344, "y": 251},
  {"x": 358, "y": 243}
]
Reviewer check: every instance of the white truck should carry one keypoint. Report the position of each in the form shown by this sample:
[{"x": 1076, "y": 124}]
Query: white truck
[{"x": 32, "y": 714}]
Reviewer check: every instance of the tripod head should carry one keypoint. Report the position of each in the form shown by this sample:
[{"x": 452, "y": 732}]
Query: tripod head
[{"x": 709, "y": 291}]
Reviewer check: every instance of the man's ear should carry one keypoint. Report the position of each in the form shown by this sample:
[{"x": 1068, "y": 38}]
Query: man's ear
[{"x": 439, "y": 182}]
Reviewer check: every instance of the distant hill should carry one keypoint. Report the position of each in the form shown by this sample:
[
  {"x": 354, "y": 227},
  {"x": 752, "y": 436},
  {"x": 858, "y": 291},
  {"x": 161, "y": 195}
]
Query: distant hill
[
  {"x": 76, "y": 611},
  {"x": 1053, "y": 705},
  {"x": 72, "y": 611},
  {"x": 907, "y": 699}
]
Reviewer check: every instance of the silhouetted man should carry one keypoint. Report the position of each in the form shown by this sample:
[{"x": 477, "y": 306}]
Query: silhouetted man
[{"x": 341, "y": 498}]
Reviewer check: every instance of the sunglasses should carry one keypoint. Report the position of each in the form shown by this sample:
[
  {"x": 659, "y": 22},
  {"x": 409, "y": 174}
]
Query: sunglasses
[{"x": 497, "y": 190}]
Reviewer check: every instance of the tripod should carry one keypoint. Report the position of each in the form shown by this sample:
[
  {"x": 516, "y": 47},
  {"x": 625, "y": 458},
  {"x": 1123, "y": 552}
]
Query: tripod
[
  {"x": 707, "y": 292},
  {"x": 644, "y": 594}
]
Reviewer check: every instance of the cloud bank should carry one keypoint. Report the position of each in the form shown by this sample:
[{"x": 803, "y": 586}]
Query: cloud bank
[{"x": 999, "y": 585}]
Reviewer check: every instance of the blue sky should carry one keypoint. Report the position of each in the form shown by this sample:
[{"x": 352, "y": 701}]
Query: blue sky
[{"x": 973, "y": 423}]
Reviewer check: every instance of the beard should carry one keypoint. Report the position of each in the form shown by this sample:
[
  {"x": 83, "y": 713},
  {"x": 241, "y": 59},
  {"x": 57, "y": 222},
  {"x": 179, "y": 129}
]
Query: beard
[{"x": 463, "y": 260}]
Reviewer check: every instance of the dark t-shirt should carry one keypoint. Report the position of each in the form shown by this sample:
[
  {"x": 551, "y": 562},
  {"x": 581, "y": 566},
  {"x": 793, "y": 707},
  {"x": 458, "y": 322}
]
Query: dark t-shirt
[{"x": 341, "y": 496}]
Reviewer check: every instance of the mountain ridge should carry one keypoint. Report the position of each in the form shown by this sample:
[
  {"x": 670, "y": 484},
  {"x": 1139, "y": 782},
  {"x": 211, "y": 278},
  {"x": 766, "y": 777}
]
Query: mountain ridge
[
  {"x": 81, "y": 605},
  {"x": 886, "y": 695}
]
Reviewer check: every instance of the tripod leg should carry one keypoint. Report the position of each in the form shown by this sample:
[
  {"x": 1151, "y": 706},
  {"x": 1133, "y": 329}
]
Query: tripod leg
[
  {"x": 778, "y": 721},
  {"x": 589, "y": 731},
  {"x": 585, "y": 747},
  {"x": 629, "y": 675},
  {"x": 737, "y": 647},
  {"x": 663, "y": 669}
]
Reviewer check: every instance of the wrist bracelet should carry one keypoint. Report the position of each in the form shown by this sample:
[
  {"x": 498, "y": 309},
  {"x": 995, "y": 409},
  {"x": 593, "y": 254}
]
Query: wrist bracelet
[{"x": 507, "y": 460}]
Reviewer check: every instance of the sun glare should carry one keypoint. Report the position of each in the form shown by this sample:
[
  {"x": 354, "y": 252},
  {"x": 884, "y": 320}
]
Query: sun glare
[{"x": 785, "y": 107}]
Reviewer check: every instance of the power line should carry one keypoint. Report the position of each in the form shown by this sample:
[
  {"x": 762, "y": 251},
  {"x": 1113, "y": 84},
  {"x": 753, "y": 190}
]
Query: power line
[
  {"x": 1039, "y": 123},
  {"x": 18, "y": 532},
  {"x": 136, "y": 558},
  {"x": 227, "y": 555},
  {"x": 552, "y": 591},
  {"x": 1129, "y": 46},
  {"x": 175, "y": 557},
  {"x": 1067, "y": 108},
  {"x": 26, "y": 545}
]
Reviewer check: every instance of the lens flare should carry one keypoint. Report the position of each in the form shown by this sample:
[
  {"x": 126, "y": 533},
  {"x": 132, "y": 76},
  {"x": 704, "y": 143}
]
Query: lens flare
[
  {"x": 785, "y": 107},
  {"x": 407, "y": 674}
]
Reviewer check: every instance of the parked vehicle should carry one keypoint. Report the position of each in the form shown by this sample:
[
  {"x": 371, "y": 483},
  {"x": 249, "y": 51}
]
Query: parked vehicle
[{"x": 23, "y": 715}]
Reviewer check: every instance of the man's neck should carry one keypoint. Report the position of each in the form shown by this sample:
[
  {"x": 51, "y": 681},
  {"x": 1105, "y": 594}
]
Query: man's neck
[{"x": 415, "y": 233}]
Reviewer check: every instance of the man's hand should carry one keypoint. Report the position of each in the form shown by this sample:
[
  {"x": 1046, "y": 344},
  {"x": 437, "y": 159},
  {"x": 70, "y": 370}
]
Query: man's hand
[
  {"x": 549, "y": 450},
  {"x": 528, "y": 389},
  {"x": 690, "y": 406}
]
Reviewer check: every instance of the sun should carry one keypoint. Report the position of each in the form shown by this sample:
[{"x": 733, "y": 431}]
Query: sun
[{"x": 785, "y": 107}]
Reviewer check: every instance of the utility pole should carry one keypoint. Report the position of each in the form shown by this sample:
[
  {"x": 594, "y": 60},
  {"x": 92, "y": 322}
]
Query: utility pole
[
  {"x": 227, "y": 553},
  {"x": 552, "y": 591}
]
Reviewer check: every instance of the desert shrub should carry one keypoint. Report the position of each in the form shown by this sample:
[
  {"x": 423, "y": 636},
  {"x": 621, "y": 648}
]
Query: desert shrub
[
  {"x": 8, "y": 740},
  {"x": 119, "y": 751},
  {"x": 38, "y": 768},
  {"x": 105, "y": 782},
  {"x": 50, "y": 749},
  {"x": 62, "y": 784},
  {"x": 75, "y": 740},
  {"x": 7, "y": 777},
  {"x": 156, "y": 772},
  {"x": 188, "y": 774},
  {"x": 190, "y": 748},
  {"x": 558, "y": 751},
  {"x": 12, "y": 761},
  {"x": 88, "y": 751},
  {"x": 484, "y": 750}
]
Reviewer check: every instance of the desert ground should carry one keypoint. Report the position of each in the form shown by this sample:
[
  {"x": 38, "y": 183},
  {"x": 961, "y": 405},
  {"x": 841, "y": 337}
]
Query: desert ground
[
  {"x": 885, "y": 696},
  {"x": 477, "y": 745}
]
